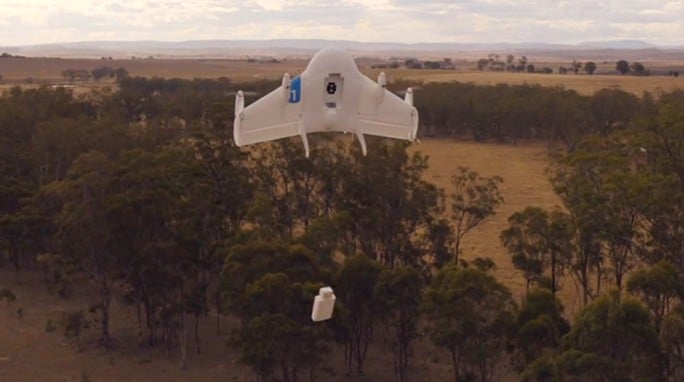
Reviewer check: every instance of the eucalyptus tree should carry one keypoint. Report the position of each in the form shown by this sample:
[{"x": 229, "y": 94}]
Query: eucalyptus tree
[
  {"x": 606, "y": 200},
  {"x": 83, "y": 232},
  {"x": 301, "y": 189},
  {"x": 537, "y": 241},
  {"x": 216, "y": 191},
  {"x": 660, "y": 287},
  {"x": 388, "y": 202},
  {"x": 143, "y": 203},
  {"x": 474, "y": 199},
  {"x": 358, "y": 311},
  {"x": 659, "y": 140},
  {"x": 399, "y": 292},
  {"x": 540, "y": 325},
  {"x": 472, "y": 316},
  {"x": 269, "y": 286},
  {"x": 612, "y": 339}
]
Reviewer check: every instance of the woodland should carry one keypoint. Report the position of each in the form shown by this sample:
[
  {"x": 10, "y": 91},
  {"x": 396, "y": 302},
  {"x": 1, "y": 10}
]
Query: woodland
[{"x": 140, "y": 194}]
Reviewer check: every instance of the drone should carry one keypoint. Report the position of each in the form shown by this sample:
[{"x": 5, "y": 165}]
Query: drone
[{"x": 331, "y": 95}]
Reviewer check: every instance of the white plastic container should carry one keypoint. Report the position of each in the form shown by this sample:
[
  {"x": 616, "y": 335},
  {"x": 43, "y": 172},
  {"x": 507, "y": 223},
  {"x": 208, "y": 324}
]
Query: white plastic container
[{"x": 323, "y": 305}]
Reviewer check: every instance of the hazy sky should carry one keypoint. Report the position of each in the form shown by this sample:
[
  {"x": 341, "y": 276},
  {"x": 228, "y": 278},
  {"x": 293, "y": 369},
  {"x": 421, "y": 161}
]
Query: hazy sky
[{"x": 46, "y": 21}]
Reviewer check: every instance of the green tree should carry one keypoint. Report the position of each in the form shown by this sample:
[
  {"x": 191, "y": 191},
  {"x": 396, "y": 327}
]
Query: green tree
[
  {"x": 84, "y": 235},
  {"x": 543, "y": 369},
  {"x": 660, "y": 137},
  {"x": 590, "y": 67},
  {"x": 538, "y": 241},
  {"x": 434, "y": 65},
  {"x": 440, "y": 238},
  {"x": 277, "y": 341},
  {"x": 270, "y": 286},
  {"x": 246, "y": 263},
  {"x": 612, "y": 109},
  {"x": 217, "y": 190},
  {"x": 474, "y": 199},
  {"x": 157, "y": 265},
  {"x": 296, "y": 184},
  {"x": 612, "y": 339},
  {"x": 399, "y": 294},
  {"x": 21, "y": 111},
  {"x": 540, "y": 327},
  {"x": 638, "y": 68},
  {"x": 659, "y": 287},
  {"x": 576, "y": 66},
  {"x": 102, "y": 72},
  {"x": 471, "y": 315},
  {"x": 611, "y": 205},
  {"x": 510, "y": 63},
  {"x": 355, "y": 283},
  {"x": 120, "y": 74},
  {"x": 672, "y": 340},
  {"x": 388, "y": 202},
  {"x": 603, "y": 198},
  {"x": 622, "y": 66}
]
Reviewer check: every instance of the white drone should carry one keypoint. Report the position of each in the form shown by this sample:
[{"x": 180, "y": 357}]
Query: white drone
[{"x": 330, "y": 95}]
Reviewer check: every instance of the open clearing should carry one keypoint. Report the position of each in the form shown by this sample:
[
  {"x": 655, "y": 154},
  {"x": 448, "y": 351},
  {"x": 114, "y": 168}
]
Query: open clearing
[
  {"x": 29, "y": 353},
  {"x": 525, "y": 183}
]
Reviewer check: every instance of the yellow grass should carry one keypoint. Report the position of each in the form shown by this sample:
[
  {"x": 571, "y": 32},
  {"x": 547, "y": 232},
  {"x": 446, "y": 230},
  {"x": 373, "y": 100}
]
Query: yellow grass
[
  {"x": 525, "y": 184},
  {"x": 50, "y": 69},
  {"x": 583, "y": 84}
]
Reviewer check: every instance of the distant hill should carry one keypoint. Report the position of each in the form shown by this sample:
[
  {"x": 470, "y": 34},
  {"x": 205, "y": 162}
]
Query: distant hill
[
  {"x": 305, "y": 47},
  {"x": 616, "y": 44}
]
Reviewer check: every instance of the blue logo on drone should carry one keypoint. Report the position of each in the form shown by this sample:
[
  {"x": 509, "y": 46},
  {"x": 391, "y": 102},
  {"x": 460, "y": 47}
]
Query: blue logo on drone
[{"x": 295, "y": 90}]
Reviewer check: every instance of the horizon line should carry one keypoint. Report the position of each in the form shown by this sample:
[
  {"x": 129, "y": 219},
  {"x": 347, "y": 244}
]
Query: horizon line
[{"x": 569, "y": 44}]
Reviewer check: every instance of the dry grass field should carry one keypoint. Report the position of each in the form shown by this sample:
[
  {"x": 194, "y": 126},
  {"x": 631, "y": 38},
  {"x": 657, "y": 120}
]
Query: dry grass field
[
  {"x": 49, "y": 70},
  {"x": 29, "y": 353},
  {"x": 583, "y": 84},
  {"x": 525, "y": 183}
]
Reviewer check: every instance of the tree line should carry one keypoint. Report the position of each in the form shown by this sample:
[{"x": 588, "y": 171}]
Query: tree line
[
  {"x": 141, "y": 193},
  {"x": 495, "y": 63},
  {"x": 508, "y": 113}
]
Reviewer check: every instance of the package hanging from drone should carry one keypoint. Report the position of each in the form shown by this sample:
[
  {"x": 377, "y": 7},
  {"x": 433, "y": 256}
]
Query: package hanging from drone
[{"x": 323, "y": 305}]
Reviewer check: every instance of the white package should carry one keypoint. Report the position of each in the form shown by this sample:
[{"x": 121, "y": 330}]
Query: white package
[{"x": 323, "y": 305}]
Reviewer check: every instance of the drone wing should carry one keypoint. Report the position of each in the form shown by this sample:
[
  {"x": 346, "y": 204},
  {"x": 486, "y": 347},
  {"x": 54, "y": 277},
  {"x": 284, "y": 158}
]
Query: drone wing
[
  {"x": 382, "y": 113},
  {"x": 274, "y": 116}
]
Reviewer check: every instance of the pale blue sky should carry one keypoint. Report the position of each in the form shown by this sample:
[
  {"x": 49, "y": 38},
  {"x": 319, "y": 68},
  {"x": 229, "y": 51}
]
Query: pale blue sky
[{"x": 40, "y": 21}]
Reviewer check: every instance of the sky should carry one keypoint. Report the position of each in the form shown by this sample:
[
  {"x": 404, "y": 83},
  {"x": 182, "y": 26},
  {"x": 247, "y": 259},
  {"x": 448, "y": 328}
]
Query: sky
[{"x": 27, "y": 22}]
